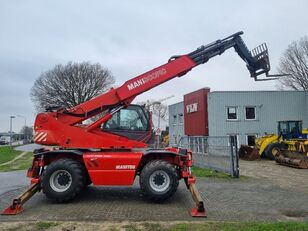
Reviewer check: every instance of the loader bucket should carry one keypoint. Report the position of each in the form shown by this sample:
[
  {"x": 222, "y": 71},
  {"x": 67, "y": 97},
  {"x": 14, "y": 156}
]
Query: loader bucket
[
  {"x": 293, "y": 159},
  {"x": 248, "y": 153}
]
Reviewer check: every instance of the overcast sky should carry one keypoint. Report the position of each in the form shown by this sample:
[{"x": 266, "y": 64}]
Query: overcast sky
[{"x": 132, "y": 37}]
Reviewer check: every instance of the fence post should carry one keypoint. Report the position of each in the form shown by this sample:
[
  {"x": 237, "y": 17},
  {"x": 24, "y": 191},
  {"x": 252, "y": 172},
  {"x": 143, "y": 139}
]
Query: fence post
[
  {"x": 231, "y": 156},
  {"x": 234, "y": 159},
  {"x": 237, "y": 170}
]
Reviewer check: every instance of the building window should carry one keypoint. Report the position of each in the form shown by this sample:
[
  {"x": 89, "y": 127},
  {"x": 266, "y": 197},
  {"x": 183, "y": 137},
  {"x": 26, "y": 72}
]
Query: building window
[
  {"x": 251, "y": 140},
  {"x": 250, "y": 113},
  {"x": 232, "y": 113}
]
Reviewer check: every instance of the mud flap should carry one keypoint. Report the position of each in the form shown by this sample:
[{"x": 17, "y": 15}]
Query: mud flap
[
  {"x": 16, "y": 206},
  {"x": 199, "y": 210}
]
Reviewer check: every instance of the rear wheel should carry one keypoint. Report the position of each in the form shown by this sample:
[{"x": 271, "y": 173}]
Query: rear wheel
[
  {"x": 63, "y": 179},
  {"x": 159, "y": 180}
]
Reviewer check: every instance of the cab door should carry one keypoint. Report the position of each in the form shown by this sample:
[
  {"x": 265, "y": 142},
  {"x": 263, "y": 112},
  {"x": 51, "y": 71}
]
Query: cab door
[{"x": 132, "y": 122}]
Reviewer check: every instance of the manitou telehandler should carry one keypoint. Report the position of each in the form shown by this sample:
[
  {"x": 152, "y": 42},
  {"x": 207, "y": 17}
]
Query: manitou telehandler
[{"x": 113, "y": 149}]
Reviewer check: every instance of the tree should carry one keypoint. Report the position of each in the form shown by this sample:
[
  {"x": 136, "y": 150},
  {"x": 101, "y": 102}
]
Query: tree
[
  {"x": 294, "y": 61},
  {"x": 156, "y": 107},
  {"x": 70, "y": 85},
  {"x": 27, "y": 132}
]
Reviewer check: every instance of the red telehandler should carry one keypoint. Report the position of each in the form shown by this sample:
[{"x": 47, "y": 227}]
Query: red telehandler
[{"x": 113, "y": 149}]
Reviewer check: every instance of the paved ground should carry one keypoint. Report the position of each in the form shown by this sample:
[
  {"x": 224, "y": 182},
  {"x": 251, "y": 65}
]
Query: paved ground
[
  {"x": 28, "y": 147},
  {"x": 282, "y": 176},
  {"x": 226, "y": 200},
  {"x": 12, "y": 181}
]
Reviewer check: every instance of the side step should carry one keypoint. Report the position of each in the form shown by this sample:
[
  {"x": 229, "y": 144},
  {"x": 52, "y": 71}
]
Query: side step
[{"x": 16, "y": 206}]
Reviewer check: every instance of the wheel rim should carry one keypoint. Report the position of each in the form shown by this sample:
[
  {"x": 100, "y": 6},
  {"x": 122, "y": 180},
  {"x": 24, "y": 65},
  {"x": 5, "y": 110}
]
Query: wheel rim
[
  {"x": 60, "y": 180},
  {"x": 275, "y": 151},
  {"x": 159, "y": 181}
]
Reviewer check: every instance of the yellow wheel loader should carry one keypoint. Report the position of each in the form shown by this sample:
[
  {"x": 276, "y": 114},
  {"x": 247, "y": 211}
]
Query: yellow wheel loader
[{"x": 289, "y": 147}]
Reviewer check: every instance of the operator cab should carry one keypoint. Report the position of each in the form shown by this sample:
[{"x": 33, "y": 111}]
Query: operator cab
[
  {"x": 134, "y": 122},
  {"x": 290, "y": 129}
]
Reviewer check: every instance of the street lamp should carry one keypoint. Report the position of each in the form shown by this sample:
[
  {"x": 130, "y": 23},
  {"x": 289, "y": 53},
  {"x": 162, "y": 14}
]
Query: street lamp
[{"x": 11, "y": 119}]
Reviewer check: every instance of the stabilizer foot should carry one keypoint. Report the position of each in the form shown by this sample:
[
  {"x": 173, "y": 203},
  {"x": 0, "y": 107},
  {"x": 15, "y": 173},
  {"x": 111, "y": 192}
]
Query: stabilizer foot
[
  {"x": 16, "y": 206},
  {"x": 195, "y": 213},
  {"x": 13, "y": 210}
]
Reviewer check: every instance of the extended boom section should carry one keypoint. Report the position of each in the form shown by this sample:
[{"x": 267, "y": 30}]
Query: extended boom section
[
  {"x": 257, "y": 62},
  {"x": 113, "y": 148}
]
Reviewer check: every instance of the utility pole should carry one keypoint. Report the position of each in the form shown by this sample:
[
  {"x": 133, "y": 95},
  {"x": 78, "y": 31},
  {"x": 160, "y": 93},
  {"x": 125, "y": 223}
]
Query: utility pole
[{"x": 11, "y": 132}]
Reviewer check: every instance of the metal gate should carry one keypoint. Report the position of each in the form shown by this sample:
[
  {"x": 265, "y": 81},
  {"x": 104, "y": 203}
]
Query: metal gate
[{"x": 217, "y": 153}]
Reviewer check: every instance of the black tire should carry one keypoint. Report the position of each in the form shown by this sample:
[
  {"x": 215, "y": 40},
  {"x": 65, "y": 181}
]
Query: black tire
[
  {"x": 63, "y": 179},
  {"x": 159, "y": 180},
  {"x": 88, "y": 180},
  {"x": 273, "y": 149}
]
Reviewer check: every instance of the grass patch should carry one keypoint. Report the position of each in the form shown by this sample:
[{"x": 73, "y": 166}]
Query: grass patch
[
  {"x": 205, "y": 172},
  {"x": 20, "y": 164},
  {"x": 161, "y": 226},
  {"x": 244, "y": 226},
  {"x": 131, "y": 227},
  {"x": 44, "y": 225},
  {"x": 144, "y": 227},
  {"x": 152, "y": 226},
  {"x": 8, "y": 153}
]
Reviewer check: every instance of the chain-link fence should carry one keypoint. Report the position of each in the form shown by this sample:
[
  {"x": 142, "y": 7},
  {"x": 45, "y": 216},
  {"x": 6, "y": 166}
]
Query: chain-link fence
[{"x": 218, "y": 153}]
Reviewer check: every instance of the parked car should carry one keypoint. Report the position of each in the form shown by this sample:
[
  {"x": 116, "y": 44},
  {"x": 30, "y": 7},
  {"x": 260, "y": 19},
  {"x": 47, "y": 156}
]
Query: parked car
[{"x": 5, "y": 140}]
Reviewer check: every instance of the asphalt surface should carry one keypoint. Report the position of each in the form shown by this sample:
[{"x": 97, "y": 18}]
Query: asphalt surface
[
  {"x": 12, "y": 181},
  {"x": 28, "y": 147}
]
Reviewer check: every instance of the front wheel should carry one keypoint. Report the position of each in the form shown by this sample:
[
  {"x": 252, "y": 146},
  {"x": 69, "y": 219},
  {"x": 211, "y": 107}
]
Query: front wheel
[
  {"x": 159, "y": 180},
  {"x": 63, "y": 179},
  {"x": 273, "y": 149}
]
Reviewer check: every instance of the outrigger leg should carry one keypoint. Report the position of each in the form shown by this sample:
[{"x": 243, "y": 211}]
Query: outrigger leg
[
  {"x": 16, "y": 206},
  {"x": 199, "y": 210}
]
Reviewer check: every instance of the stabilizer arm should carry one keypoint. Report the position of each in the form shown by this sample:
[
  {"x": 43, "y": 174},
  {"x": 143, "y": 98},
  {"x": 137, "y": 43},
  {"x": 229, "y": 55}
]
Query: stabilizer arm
[{"x": 16, "y": 206}]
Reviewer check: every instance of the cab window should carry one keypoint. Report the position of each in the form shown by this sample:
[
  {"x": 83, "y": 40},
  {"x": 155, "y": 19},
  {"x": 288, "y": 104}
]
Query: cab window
[{"x": 130, "y": 118}]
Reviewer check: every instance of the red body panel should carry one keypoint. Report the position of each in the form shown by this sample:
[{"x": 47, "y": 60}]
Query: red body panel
[
  {"x": 196, "y": 113},
  {"x": 54, "y": 132},
  {"x": 112, "y": 168}
]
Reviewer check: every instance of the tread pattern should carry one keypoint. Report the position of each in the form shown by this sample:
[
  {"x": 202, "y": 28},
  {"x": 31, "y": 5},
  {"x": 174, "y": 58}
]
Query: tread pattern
[
  {"x": 78, "y": 179},
  {"x": 270, "y": 148},
  {"x": 145, "y": 175}
]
